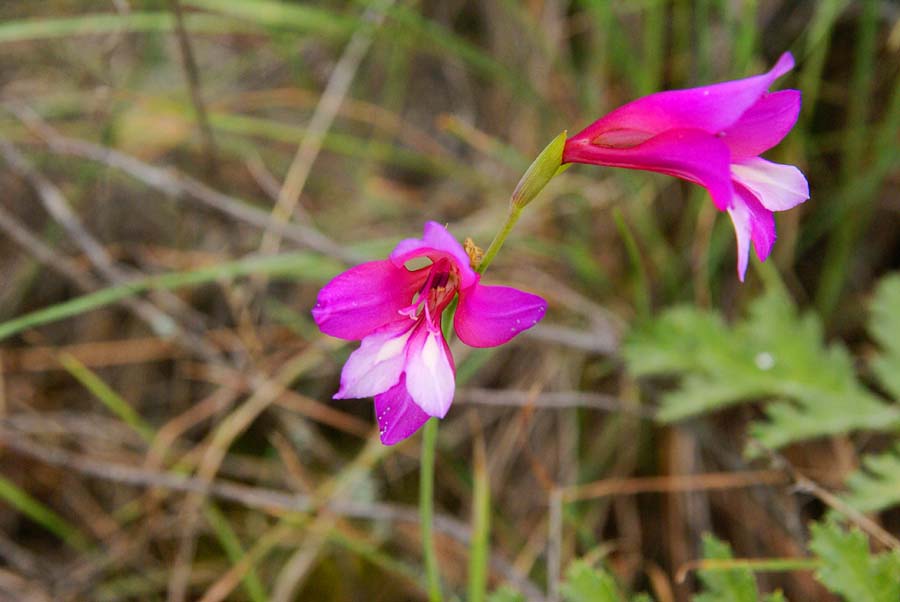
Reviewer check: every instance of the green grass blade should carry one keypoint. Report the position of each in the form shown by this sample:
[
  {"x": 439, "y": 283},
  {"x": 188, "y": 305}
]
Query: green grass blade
[
  {"x": 42, "y": 515},
  {"x": 111, "y": 23},
  {"x": 481, "y": 524},
  {"x": 818, "y": 39},
  {"x": 378, "y": 557},
  {"x": 230, "y": 543},
  {"x": 336, "y": 142},
  {"x": 641, "y": 286},
  {"x": 281, "y": 15},
  {"x": 308, "y": 266},
  {"x": 654, "y": 40},
  {"x": 433, "y": 37},
  {"x": 112, "y": 400},
  {"x": 843, "y": 244},
  {"x": 745, "y": 35},
  {"x": 426, "y": 509}
]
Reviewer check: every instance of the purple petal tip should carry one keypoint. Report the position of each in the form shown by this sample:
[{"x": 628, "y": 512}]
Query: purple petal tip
[{"x": 785, "y": 63}]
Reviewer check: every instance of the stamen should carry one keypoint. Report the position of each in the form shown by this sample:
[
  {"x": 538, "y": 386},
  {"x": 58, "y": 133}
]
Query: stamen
[{"x": 435, "y": 295}]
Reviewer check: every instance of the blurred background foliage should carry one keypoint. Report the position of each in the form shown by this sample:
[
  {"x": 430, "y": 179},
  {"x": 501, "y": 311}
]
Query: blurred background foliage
[{"x": 179, "y": 179}]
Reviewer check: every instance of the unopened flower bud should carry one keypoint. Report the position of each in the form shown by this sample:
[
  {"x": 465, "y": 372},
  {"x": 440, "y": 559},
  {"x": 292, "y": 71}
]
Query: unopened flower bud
[{"x": 540, "y": 172}]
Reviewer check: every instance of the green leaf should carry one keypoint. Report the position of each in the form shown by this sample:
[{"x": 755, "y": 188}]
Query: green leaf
[
  {"x": 876, "y": 485},
  {"x": 585, "y": 583},
  {"x": 849, "y": 569},
  {"x": 505, "y": 594},
  {"x": 884, "y": 326},
  {"x": 773, "y": 353},
  {"x": 732, "y": 585}
]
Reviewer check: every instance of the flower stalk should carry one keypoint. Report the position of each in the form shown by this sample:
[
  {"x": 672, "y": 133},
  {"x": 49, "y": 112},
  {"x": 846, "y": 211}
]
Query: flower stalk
[
  {"x": 547, "y": 165},
  {"x": 426, "y": 509},
  {"x": 511, "y": 218}
]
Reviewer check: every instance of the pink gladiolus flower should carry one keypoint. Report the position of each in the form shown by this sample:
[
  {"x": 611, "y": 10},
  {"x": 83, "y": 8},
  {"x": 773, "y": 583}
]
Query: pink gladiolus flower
[
  {"x": 711, "y": 136},
  {"x": 404, "y": 361}
]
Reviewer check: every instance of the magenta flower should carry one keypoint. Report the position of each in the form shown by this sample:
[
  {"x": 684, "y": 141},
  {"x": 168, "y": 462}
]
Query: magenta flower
[
  {"x": 711, "y": 136},
  {"x": 404, "y": 360}
]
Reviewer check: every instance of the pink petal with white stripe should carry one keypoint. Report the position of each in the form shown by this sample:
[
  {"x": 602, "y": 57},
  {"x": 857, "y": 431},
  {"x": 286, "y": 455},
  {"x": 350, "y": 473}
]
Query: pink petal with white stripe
[
  {"x": 752, "y": 223},
  {"x": 430, "y": 377},
  {"x": 378, "y": 363},
  {"x": 777, "y": 187},
  {"x": 740, "y": 217}
]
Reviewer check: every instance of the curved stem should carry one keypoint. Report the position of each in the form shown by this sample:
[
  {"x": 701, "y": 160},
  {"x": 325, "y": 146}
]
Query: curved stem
[
  {"x": 426, "y": 508},
  {"x": 511, "y": 218}
]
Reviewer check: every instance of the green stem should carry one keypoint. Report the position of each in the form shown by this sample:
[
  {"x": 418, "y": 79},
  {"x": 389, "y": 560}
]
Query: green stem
[
  {"x": 481, "y": 523},
  {"x": 426, "y": 508},
  {"x": 511, "y": 218},
  {"x": 541, "y": 171}
]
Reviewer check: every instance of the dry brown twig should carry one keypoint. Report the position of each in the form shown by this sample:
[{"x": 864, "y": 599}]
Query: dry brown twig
[
  {"x": 22, "y": 236},
  {"x": 670, "y": 483},
  {"x": 58, "y": 207},
  {"x": 322, "y": 119},
  {"x": 549, "y": 400},
  {"x": 803, "y": 483},
  {"x": 181, "y": 186},
  {"x": 266, "y": 390},
  {"x": 267, "y": 500},
  {"x": 192, "y": 74}
]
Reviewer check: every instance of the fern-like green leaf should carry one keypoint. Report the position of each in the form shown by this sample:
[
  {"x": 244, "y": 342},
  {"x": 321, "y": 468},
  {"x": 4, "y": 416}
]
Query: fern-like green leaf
[
  {"x": 876, "y": 485},
  {"x": 849, "y": 569},
  {"x": 772, "y": 354},
  {"x": 884, "y": 326},
  {"x": 505, "y": 594},
  {"x": 732, "y": 585},
  {"x": 585, "y": 583}
]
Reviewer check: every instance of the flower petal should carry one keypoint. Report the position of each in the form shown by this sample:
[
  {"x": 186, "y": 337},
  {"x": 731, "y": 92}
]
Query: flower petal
[
  {"x": 436, "y": 243},
  {"x": 762, "y": 226},
  {"x": 752, "y": 222},
  {"x": 430, "y": 377},
  {"x": 488, "y": 316},
  {"x": 710, "y": 108},
  {"x": 365, "y": 298},
  {"x": 740, "y": 217},
  {"x": 692, "y": 155},
  {"x": 378, "y": 363},
  {"x": 776, "y": 186},
  {"x": 764, "y": 124},
  {"x": 397, "y": 414}
]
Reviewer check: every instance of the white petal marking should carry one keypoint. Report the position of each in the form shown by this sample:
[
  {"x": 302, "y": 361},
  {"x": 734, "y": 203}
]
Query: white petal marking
[{"x": 429, "y": 376}]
